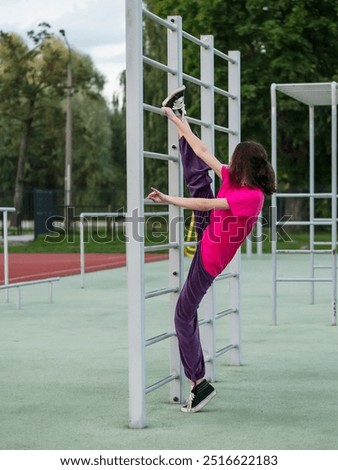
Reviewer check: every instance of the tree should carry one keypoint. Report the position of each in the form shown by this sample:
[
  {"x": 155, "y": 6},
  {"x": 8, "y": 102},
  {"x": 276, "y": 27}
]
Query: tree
[
  {"x": 32, "y": 88},
  {"x": 284, "y": 41}
]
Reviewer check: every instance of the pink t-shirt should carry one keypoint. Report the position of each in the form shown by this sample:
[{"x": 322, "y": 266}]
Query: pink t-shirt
[{"x": 229, "y": 228}]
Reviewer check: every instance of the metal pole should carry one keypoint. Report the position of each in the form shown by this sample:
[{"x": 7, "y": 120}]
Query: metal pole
[
  {"x": 312, "y": 199},
  {"x": 273, "y": 209},
  {"x": 208, "y": 308},
  {"x": 82, "y": 251},
  {"x": 135, "y": 214},
  {"x": 334, "y": 200},
  {"x": 5, "y": 231},
  {"x": 68, "y": 145},
  {"x": 234, "y": 81},
  {"x": 176, "y": 214}
]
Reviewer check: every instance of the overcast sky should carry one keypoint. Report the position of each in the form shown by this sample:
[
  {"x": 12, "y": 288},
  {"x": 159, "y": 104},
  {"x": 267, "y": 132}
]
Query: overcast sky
[{"x": 94, "y": 27}]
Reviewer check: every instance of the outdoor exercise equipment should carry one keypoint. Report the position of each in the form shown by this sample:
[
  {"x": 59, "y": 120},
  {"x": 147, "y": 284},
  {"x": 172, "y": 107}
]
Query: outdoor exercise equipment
[
  {"x": 137, "y": 293},
  {"x": 311, "y": 94}
]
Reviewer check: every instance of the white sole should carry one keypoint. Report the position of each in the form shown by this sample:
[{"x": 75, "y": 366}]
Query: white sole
[
  {"x": 172, "y": 94},
  {"x": 200, "y": 405}
]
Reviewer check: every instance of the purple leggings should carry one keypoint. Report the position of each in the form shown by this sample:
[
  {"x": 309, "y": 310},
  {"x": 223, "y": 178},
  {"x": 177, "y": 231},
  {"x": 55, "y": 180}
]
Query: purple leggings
[{"x": 198, "y": 280}]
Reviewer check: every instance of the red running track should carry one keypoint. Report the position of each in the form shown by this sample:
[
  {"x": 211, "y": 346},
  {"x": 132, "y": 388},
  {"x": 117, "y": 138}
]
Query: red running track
[{"x": 33, "y": 266}]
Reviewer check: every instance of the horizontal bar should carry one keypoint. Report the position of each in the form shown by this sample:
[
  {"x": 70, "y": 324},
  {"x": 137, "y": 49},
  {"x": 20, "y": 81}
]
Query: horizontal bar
[
  {"x": 160, "y": 156},
  {"x": 28, "y": 283},
  {"x": 164, "y": 246},
  {"x": 156, "y": 214},
  {"x": 322, "y": 267},
  {"x": 153, "y": 109},
  {"x": 149, "y": 202},
  {"x": 7, "y": 209},
  {"x": 303, "y": 279},
  {"x": 224, "y": 56},
  {"x": 225, "y": 312},
  {"x": 195, "y": 40},
  {"x": 190, "y": 243},
  {"x": 225, "y": 276},
  {"x": 224, "y": 129},
  {"x": 102, "y": 214},
  {"x": 161, "y": 382},
  {"x": 226, "y": 349},
  {"x": 159, "y": 65},
  {"x": 323, "y": 243},
  {"x": 157, "y": 339},
  {"x": 224, "y": 93},
  {"x": 194, "y": 80},
  {"x": 304, "y": 251},
  {"x": 197, "y": 121},
  {"x": 159, "y": 20},
  {"x": 318, "y": 195},
  {"x": 303, "y": 222},
  {"x": 158, "y": 292},
  {"x": 204, "y": 321}
]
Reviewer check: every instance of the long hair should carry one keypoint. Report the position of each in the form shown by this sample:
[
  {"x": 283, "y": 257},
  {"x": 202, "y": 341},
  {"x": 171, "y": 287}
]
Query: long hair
[{"x": 249, "y": 165}]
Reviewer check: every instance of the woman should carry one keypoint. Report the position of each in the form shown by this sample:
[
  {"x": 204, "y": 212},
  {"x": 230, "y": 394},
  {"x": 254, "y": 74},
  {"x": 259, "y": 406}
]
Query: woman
[{"x": 222, "y": 224}]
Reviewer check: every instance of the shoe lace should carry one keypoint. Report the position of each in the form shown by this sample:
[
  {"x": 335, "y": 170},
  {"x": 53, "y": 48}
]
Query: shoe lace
[
  {"x": 190, "y": 401},
  {"x": 179, "y": 103}
]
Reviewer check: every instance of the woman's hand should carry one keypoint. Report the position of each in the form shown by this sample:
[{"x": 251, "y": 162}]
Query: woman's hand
[
  {"x": 157, "y": 196},
  {"x": 170, "y": 114}
]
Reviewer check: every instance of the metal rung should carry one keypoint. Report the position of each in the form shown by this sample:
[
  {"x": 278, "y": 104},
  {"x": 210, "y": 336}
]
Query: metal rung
[
  {"x": 190, "y": 243},
  {"x": 159, "y": 20},
  {"x": 226, "y": 349},
  {"x": 159, "y": 65},
  {"x": 224, "y": 93},
  {"x": 318, "y": 195},
  {"x": 304, "y": 251},
  {"x": 158, "y": 292},
  {"x": 224, "y": 129},
  {"x": 198, "y": 122},
  {"x": 302, "y": 279},
  {"x": 157, "y": 339},
  {"x": 225, "y": 312},
  {"x": 304, "y": 222},
  {"x": 164, "y": 246},
  {"x": 221, "y": 277},
  {"x": 204, "y": 321},
  {"x": 156, "y": 214},
  {"x": 160, "y": 156},
  {"x": 323, "y": 267},
  {"x": 161, "y": 382},
  {"x": 195, "y": 40},
  {"x": 224, "y": 56},
  {"x": 196, "y": 81},
  {"x": 322, "y": 243},
  {"x": 153, "y": 109}
]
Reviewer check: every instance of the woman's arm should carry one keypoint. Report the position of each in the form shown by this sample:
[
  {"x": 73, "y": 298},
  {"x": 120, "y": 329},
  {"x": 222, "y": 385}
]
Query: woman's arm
[
  {"x": 194, "y": 203},
  {"x": 195, "y": 143}
]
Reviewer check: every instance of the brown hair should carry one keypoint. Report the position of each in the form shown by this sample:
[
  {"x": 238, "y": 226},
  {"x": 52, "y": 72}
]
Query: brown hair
[{"x": 249, "y": 165}]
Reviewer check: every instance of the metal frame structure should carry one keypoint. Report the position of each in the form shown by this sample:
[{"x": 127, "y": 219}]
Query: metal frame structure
[
  {"x": 18, "y": 285},
  {"x": 136, "y": 249},
  {"x": 5, "y": 211},
  {"x": 311, "y": 94},
  {"x": 83, "y": 215}
]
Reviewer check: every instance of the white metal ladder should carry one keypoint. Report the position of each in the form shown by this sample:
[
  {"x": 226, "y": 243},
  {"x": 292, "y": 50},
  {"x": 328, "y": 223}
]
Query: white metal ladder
[{"x": 135, "y": 220}]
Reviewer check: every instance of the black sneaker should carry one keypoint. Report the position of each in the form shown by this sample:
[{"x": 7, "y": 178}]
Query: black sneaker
[
  {"x": 199, "y": 396},
  {"x": 175, "y": 101}
]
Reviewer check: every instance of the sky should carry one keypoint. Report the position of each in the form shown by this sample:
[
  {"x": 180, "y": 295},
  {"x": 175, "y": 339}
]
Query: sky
[{"x": 94, "y": 27}]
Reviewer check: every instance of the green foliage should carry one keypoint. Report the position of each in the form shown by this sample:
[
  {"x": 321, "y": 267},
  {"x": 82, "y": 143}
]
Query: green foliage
[
  {"x": 33, "y": 116},
  {"x": 281, "y": 41}
]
